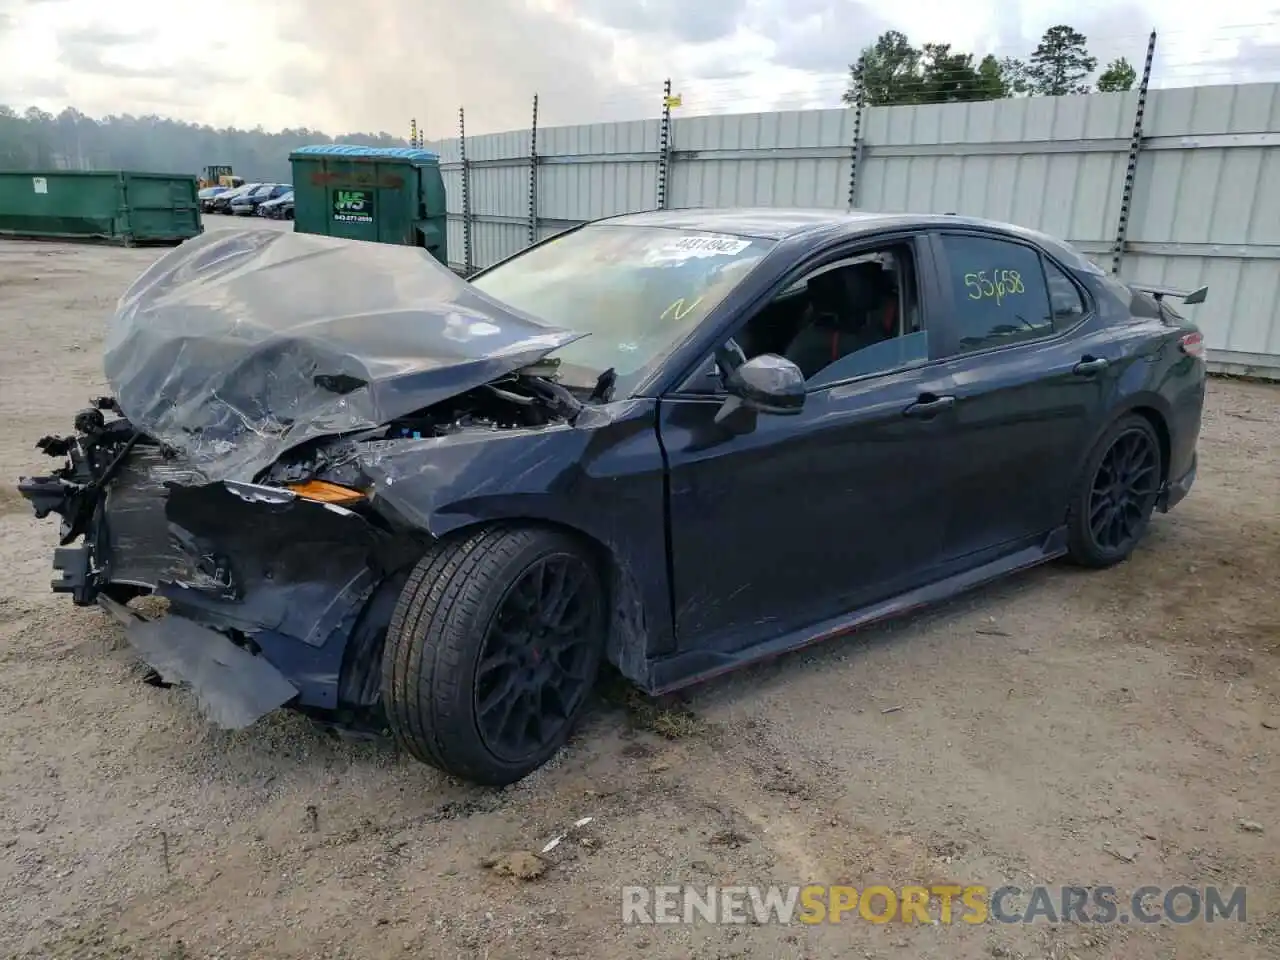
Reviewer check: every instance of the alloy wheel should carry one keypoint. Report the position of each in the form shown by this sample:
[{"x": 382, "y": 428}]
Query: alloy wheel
[
  {"x": 1124, "y": 491},
  {"x": 534, "y": 670}
]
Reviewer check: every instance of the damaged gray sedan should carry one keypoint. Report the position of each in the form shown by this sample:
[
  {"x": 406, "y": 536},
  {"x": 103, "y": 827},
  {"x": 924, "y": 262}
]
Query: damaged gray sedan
[{"x": 390, "y": 498}]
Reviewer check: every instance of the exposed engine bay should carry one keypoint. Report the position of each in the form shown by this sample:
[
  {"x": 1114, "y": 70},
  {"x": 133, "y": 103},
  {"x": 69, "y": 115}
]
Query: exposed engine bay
[{"x": 523, "y": 400}]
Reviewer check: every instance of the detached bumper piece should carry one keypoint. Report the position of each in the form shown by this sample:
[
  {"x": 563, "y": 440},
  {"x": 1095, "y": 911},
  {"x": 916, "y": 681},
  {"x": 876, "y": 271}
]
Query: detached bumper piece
[{"x": 233, "y": 687}]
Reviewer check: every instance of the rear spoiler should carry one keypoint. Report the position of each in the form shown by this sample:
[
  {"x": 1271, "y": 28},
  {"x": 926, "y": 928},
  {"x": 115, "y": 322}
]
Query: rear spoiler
[{"x": 1190, "y": 297}]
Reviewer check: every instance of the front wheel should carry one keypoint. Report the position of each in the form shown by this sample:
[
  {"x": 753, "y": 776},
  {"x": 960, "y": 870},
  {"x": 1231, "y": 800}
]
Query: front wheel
[
  {"x": 492, "y": 651},
  {"x": 1116, "y": 494}
]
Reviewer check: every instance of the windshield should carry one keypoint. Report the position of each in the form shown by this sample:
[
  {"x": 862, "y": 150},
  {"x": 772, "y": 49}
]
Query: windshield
[{"x": 638, "y": 291}]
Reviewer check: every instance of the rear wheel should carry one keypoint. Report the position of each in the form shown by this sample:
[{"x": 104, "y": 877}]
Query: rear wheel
[
  {"x": 492, "y": 651},
  {"x": 1116, "y": 494}
]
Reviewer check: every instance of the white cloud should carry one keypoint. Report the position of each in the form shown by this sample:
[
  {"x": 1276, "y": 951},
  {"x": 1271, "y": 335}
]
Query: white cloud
[{"x": 343, "y": 66}]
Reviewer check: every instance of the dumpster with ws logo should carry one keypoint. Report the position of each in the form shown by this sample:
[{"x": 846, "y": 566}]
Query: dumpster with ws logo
[{"x": 379, "y": 194}]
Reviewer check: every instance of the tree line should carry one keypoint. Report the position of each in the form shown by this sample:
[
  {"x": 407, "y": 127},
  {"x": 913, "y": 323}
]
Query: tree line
[
  {"x": 892, "y": 72},
  {"x": 889, "y": 72},
  {"x": 38, "y": 140}
]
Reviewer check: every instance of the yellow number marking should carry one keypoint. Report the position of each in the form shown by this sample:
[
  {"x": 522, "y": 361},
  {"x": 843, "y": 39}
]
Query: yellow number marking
[{"x": 1001, "y": 284}]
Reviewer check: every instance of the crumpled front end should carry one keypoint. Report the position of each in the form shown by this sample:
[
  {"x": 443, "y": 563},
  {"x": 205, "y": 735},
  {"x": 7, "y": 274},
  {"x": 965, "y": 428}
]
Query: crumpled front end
[
  {"x": 279, "y": 590},
  {"x": 237, "y": 362},
  {"x": 265, "y": 584}
]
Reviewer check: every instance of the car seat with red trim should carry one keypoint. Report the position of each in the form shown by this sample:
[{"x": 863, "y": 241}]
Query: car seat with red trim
[{"x": 849, "y": 308}]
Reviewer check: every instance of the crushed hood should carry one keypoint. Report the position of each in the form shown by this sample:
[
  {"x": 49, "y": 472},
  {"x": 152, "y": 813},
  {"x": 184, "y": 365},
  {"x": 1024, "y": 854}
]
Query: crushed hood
[{"x": 239, "y": 345}]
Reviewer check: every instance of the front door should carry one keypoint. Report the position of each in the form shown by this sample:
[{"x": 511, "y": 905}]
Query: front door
[{"x": 803, "y": 517}]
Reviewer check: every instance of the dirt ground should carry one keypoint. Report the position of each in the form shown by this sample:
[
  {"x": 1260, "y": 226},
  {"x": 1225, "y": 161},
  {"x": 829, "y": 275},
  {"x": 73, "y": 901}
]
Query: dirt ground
[{"x": 1061, "y": 727}]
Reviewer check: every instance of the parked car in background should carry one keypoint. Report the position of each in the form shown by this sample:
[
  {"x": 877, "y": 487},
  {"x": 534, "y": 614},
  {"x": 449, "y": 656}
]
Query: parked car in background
[
  {"x": 415, "y": 502},
  {"x": 246, "y": 205},
  {"x": 206, "y": 197},
  {"x": 222, "y": 202},
  {"x": 281, "y": 208}
]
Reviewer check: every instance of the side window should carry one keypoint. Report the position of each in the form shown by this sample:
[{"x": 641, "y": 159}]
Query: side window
[
  {"x": 853, "y": 317},
  {"x": 1064, "y": 297},
  {"x": 999, "y": 292}
]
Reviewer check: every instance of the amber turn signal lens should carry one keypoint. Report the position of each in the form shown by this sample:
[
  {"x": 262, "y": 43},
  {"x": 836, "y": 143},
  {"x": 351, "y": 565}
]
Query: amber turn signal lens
[{"x": 323, "y": 492}]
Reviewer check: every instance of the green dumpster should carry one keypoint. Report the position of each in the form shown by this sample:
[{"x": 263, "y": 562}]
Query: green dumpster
[
  {"x": 380, "y": 194},
  {"x": 115, "y": 205}
]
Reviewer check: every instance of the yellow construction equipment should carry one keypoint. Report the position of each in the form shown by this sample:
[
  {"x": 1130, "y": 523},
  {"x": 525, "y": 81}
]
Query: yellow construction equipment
[{"x": 220, "y": 176}]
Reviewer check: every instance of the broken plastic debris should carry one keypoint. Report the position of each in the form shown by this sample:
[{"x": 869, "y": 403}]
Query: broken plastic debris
[{"x": 555, "y": 841}]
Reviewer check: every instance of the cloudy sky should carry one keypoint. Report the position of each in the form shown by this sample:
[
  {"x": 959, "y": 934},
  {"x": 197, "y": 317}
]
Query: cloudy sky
[{"x": 338, "y": 65}]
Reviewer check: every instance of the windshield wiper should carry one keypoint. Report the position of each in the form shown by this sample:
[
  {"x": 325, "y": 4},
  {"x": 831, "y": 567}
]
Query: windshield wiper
[{"x": 603, "y": 390}]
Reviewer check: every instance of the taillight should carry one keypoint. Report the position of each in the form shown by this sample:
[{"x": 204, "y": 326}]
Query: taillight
[{"x": 1192, "y": 344}]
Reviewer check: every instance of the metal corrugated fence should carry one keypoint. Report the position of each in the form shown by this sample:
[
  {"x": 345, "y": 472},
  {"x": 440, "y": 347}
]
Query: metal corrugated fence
[{"x": 1205, "y": 197}]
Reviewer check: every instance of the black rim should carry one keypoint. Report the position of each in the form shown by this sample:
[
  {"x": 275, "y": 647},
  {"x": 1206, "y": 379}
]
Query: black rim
[
  {"x": 1124, "y": 490},
  {"x": 534, "y": 668}
]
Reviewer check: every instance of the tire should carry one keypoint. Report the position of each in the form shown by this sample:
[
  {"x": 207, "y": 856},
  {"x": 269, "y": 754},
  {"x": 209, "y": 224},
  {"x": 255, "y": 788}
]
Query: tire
[
  {"x": 1085, "y": 546},
  {"x": 439, "y": 657}
]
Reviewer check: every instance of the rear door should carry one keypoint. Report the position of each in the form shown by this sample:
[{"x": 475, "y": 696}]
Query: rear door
[{"x": 1030, "y": 370}]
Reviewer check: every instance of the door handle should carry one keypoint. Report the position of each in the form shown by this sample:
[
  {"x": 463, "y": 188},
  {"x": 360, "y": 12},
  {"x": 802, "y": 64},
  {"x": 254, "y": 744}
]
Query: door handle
[
  {"x": 929, "y": 406},
  {"x": 1090, "y": 365}
]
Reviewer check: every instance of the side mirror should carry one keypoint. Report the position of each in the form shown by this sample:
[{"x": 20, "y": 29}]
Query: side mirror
[{"x": 766, "y": 384}]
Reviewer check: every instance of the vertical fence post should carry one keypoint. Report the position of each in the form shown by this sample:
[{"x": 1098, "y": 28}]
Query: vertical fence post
[
  {"x": 1131, "y": 171},
  {"x": 466, "y": 193},
  {"x": 533, "y": 175},
  {"x": 855, "y": 157},
  {"x": 664, "y": 145}
]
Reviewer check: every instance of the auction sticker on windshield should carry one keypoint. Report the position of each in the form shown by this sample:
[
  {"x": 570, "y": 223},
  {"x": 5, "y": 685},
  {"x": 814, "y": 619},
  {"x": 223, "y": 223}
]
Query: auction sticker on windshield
[
  {"x": 679, "y": 249},
  {"x": 711, "y": 246}
]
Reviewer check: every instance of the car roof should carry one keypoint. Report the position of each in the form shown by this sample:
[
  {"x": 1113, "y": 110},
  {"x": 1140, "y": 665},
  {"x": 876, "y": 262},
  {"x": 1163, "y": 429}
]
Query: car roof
[
  {"x": 771, "y": 223},
  {"x": 782, "y": 223}
]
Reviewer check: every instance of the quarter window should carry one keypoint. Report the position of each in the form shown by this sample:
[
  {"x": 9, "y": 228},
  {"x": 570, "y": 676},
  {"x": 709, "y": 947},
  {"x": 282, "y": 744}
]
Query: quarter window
[
  {"x": 999, "y": 292},
  {"x": 1064, "y": 297}
]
